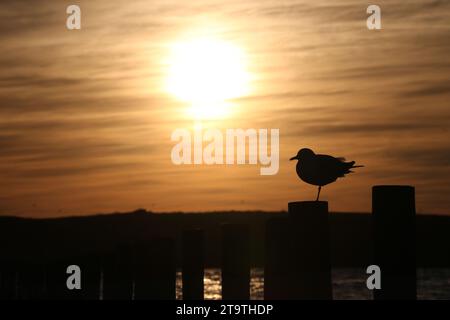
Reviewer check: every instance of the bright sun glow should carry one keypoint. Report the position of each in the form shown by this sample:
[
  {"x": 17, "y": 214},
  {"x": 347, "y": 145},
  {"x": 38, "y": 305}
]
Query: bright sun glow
[{"x": 206, "y": 73}]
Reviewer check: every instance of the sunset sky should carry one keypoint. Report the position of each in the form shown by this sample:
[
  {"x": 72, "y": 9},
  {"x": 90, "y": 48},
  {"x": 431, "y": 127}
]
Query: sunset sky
[{"x": 86, "y": 116}]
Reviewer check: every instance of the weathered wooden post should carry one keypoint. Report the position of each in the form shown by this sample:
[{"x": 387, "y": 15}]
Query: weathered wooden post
[
  {"x": 155, "y": 270},
  {"x": 193, "y": 243},
  {"x": 56, "y": 280},
  {"x": 90, "y": 277},
  {"x": 310, "y": 255},
  {"x": 9, "y": 281},
  {"x": 58, "y": 276},
  {"x": 235, "y": 262},
  {"x": 31, "y": 281},
  {"x": 277, "y": 269},
  {"x": 393, "y": 209},
  {"x": 117, "y": 268}
]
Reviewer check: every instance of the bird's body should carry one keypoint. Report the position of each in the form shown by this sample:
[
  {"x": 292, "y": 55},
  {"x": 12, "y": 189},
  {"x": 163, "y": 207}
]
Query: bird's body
[{"x": 321, "y": 169}]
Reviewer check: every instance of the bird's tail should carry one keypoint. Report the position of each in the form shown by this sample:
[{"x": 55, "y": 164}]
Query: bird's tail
[{"x": 351, "y": 165}]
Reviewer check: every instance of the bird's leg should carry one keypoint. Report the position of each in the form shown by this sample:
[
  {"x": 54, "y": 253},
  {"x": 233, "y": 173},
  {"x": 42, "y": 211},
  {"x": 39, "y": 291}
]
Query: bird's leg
[{"x": 318, "y": 193}]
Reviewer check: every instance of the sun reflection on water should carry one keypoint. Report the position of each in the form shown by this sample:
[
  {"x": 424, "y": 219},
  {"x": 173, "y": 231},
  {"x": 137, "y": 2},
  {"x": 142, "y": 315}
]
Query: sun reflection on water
[{"x": 213, "y": 285}]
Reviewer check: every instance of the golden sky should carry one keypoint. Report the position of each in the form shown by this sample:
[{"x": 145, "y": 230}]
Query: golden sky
[{"x": 86, "y": 115}]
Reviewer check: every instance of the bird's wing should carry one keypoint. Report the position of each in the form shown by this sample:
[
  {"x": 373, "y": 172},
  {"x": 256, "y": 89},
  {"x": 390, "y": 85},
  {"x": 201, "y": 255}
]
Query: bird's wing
[
  {"x": 329, "y": 166},
  {"x": 334, "y": 166},
  {"x": 325, "y": 159}
]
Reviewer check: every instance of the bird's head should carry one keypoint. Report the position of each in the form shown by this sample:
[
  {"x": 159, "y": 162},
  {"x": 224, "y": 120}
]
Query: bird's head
[{"x": 302, "y": 154}]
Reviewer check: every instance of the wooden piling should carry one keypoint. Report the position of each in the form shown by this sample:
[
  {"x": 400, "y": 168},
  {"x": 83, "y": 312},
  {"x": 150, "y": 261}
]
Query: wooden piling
[
  {"x": 193, "y": 256},
  {"x": 393, "y": 209},
  {"x": 235, "y": 262},
  {"x": 31, "y": 281},
  {"x": 155, "y": 270},
  {"x": 8, "y": 286},
  {"x": 310, "y": 255},
  {"x": 56, "y": 280},
  {"x": 117, "y": 268},
  {"x": 90, "y": 277},
  {"x": 277, "y": 268}
]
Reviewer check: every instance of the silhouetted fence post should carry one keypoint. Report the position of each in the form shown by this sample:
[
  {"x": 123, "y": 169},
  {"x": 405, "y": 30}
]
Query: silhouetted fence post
[
  {"x": 117, "y": 268},
  {"x": 393, "y": 209},
  {"x": 311, "y": 262},
  {"x": 90, "y": 276},
  {"x": 55, "y": 276},
  {"x": 9, "y": 281},
  {"x": 155, "y": 270},
  {"x": 56, "y": 280},
  {"x": 193, "y": 242},
  {"x": 235, "y": 262},
  {"x": 31, "y": 281},
  {"x": 277, "y": 269}
]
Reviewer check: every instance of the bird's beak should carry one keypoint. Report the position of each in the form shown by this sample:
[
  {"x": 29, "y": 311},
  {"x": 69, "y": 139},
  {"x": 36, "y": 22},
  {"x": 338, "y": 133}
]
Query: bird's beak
[{"x": 293, "y": 158}]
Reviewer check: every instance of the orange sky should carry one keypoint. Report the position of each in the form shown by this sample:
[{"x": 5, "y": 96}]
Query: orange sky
[{"x": 86, "y": 120}]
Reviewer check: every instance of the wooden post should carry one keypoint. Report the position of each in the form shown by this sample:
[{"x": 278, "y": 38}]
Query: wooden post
[
  {"x": 9, "y": 274},
  {"x": 393, "y": 209},
  {"x": 155, "y": 270},
  {"x": 235, "y": 262},
  {"x": 90, "y": 277},
  {"x": 310, "y": 255},
  {"x": 193, "y": 242},
  {"x": 277, "y": 269},
  {"x": 118, "y": 274},
  {"x": 56, "y": 278},
  {"x": 31, "y": 281}
]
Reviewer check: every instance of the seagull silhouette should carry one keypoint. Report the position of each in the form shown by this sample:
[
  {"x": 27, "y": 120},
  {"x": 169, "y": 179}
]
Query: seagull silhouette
[{"x": 321, "y": 169}]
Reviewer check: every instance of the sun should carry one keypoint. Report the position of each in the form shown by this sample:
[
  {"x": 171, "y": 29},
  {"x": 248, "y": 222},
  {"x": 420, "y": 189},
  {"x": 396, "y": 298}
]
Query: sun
[{"x": 207, "y": 73}]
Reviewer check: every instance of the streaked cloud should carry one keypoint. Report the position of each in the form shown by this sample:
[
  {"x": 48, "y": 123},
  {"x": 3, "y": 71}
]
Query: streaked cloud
[{"x": 85, "y": 123}]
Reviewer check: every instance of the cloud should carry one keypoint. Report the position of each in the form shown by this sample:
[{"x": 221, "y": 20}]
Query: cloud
[
  {"x": 74, "y": 169},
  {"x": 430, "y": 158},
  {"x": 88, "y": 103},
  {"x": 367, "y": 128},
  {"x": 30, "y": 80},
  {"x": 441, "y": 88}
]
